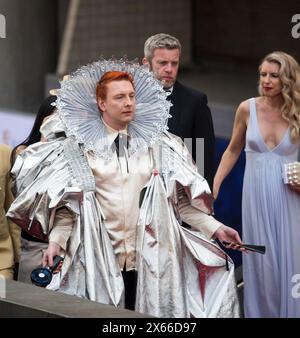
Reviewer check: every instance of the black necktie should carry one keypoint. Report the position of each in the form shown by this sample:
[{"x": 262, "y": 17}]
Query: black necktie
[{"x": 121, "y": 142}]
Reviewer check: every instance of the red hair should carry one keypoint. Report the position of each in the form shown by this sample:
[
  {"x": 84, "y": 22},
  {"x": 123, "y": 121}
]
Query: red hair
[{"x": 101, "y": 89}]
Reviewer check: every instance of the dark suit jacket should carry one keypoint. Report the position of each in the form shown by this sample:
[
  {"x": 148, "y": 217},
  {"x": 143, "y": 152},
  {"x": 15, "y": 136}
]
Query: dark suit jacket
[{"x": 191, "y": 118}]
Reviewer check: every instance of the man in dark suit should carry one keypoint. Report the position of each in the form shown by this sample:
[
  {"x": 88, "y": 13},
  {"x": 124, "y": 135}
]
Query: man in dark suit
[{"x": 191, "y": 117}]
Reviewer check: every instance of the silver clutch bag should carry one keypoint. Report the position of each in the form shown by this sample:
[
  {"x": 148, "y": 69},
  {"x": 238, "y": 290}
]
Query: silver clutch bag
[{"x": 291, "y": 173}]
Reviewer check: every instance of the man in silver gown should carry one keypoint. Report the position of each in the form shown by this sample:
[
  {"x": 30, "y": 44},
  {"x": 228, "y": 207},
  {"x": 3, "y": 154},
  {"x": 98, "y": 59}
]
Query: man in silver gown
[{"x": 110, "y": 189}]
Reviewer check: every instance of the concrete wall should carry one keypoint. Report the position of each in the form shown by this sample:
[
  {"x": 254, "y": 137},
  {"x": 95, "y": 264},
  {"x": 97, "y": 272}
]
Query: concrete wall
[
  {"x": 27, "y": 53},
  {"x": 119, "y": 27},
  {"x": 243, "y": 31}
]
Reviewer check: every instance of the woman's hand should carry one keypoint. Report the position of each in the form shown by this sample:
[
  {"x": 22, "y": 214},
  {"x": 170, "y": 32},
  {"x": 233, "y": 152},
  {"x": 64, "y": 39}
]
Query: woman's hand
[{"x": 295, "y": 188}]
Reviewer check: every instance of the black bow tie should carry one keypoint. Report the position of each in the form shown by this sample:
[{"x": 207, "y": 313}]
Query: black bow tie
[{"x": 169, "y": 92}]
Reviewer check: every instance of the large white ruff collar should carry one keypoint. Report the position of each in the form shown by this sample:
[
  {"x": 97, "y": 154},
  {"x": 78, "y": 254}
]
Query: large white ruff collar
[{"x": 78, "y": 110}]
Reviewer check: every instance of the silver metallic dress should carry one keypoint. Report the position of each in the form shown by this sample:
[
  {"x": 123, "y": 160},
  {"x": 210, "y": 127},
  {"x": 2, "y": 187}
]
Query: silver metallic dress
[{"x": 180, "y": 272}]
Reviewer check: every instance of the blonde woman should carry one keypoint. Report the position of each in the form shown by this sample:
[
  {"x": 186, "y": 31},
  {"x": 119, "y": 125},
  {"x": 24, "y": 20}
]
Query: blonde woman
[{"x": 268, "y": 127}]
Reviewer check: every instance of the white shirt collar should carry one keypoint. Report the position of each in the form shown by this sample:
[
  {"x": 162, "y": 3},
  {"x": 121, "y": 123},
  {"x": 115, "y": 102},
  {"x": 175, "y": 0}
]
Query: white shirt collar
[{"x": 113, "y": 133}]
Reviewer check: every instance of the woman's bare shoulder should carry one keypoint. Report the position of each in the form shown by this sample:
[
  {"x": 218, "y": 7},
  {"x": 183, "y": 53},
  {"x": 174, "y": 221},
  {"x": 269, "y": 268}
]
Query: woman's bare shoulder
[
  {"x": 242, "y": 112},
  {"x": 244, "y": 107}
]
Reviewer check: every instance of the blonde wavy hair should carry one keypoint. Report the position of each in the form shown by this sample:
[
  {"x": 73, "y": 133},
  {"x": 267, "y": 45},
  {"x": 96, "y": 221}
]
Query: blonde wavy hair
[{"x": 289, "y": 74}]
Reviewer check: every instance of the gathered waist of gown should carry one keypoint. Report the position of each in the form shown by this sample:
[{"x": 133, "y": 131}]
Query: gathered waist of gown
[{"x": 267, "y": 156}]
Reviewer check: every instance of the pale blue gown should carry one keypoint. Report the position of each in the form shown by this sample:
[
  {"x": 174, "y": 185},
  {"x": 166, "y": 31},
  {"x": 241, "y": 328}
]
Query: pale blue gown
[{"x": 271, "y": 217}]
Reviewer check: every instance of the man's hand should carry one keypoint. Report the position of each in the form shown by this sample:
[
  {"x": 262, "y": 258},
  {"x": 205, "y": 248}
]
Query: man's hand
[
  {"x": 53, "y": 250},
  {"x": 227, "y": 234}
]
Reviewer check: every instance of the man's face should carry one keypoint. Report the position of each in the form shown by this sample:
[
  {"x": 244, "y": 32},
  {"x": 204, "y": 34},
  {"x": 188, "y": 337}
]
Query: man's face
[
  {"x": 165, "y": 64},
  {"x": 119, "y": 105}
]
